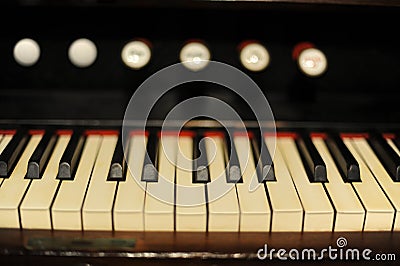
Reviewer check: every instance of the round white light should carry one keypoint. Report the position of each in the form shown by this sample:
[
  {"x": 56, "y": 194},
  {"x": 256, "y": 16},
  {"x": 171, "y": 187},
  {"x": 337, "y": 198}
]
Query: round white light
[
  {"x": 26, "y": 52},
  {"x": 136, "y": 54},
  {"x": 312, "y": 62},
  {"x": 82, "y": 53},
  {"x": 195, "y": 56},
  {"x": 254, "y": 57}
]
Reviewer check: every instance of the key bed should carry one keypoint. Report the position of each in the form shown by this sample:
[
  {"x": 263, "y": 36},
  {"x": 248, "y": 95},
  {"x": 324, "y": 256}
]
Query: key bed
[
  {"x": 290, "y": 211},
  {"x": 294, "y": 201}
]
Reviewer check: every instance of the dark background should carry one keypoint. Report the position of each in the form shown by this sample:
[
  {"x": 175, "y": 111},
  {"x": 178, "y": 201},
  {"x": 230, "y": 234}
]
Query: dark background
[{"x": 362, "y": 83}]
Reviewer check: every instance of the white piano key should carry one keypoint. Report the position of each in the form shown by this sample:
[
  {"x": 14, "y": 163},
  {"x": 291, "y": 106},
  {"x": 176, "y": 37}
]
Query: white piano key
[
  {"x": 287, "y": 212},
  {"x": 2, "y": 147},
  {"x": 350, "y": 213},
  {"x": 190, "y": 216},
  {"x": 129, "y": 202},
  {"x": 159, "y": 201},
  {"x": 97, "y": 208},
  {"x": 35, "y": 208},
  {"x": 223, "y": 208},
  {"x": 5, "y": 139},
  {"x": 13, "y": 188},
  {"x": 255, "y": 213},
  {"x": 66, "y": 209},
  {"x": 389, "y": 187},
  {"x": 379, "y": 212},
  {"x": 394, "y": 147},
  {"x": 318, "y": 211}
]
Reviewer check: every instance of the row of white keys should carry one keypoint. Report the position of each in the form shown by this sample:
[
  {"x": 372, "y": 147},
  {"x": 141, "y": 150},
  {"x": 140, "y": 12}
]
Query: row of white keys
[
  {"x": 129, "y": 201},
  {"x": 390, "y": 188},
  {"x": 159, "y": 200},
  {"x": 379, "y": 211},
  {"x": 287, "y": 212},
  {"x": 318, "y": 211},
  {"x": 223, "y": 208},
  {"x": 255, "y": 212},
  {"x": 97, "y": 208},
  {"x": 191, "y": 207},
  {"x": 66, "y": 209},
  {"x": 350, "y": 213},
  {"x": 12, "y": 189},
  {"x": 35, "y": 208}
]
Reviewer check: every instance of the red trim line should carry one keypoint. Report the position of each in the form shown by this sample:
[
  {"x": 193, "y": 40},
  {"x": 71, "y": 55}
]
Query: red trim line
[
  {"x": 389, "y": 135},
  {"x": 285, "y": 135},
  {"x": 37, "y": 132},
  {"x": 8, "y": 132},
  {"x": 64, "y": 132},
  {"x": 318, "y": 135},
  {"x": 354, "y": 135},
  {"x": 248, "y": 134},
  {"x": 182, "y": 133},
  {"x": 167, "y": 133},
  {"x": 214, "y": 134},
  {"x": 138, "y": 133},
  {"x": 186, "y": 133},
  {"x": 101, "y": 132}
]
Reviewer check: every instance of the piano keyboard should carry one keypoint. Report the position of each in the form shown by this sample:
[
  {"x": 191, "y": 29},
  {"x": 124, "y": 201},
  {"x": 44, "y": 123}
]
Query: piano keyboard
[{"x": 316, "y": 181}]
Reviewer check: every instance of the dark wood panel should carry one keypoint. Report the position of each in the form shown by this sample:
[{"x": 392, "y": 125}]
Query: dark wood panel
[
  {"x": 202, "y": 3},
  {"x": 216, "y": 245}
]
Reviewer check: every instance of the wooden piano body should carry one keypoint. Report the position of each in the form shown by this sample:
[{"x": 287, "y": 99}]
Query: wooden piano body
[{"x": 359, "y": 92}]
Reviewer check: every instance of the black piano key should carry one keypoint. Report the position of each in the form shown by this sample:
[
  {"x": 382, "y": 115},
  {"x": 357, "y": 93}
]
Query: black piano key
[
  {"x": 150, "y": 173},
  {"x": 201, "y": 172},
  {"x": 344, "y": 159},
  {"x": 388, "y": 157},
  {"x": 117, "y": 168},
  {"x": 70, "y": 158},
  {"x": 234, "y": 174},
  {"x": 262, "y": 158},
  {"x": 12, "y": 152},
  {"x": 311, "y": 158},
  {"x": 41, "y": 155}
]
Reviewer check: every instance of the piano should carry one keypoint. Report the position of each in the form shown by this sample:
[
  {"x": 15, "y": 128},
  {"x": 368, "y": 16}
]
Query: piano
[{"x": 205, "y": 132}]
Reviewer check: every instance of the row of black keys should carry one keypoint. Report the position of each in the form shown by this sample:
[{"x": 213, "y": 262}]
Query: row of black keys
[{"x": 314, "y": 164}]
